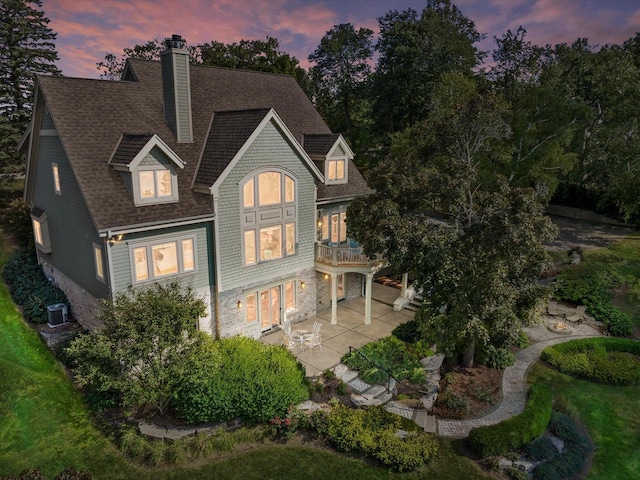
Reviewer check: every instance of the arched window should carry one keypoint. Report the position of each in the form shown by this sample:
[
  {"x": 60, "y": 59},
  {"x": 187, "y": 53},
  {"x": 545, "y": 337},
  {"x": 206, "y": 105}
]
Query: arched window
[{"x": 269, "y": 216}]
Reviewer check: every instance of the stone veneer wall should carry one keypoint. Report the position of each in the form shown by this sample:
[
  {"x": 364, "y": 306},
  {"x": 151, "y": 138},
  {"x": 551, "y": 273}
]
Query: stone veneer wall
[
  {"x": 353, "y": 289},
  {"x": 83, "y": 306},
  {"x": 233, "y": 319}
]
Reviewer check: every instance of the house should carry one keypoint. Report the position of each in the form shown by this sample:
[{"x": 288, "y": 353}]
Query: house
[{"x": 225, "y": 180}]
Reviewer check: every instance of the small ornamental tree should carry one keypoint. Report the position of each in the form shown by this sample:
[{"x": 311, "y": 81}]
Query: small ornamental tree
[{"x": 142, "y": 352}]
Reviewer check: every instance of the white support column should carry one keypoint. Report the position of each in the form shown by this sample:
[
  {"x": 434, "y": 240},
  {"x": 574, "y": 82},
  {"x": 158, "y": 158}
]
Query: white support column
[
  {"x": 405, "y": 281},
  {"x": 367, "y": 300},
  {"x": 334, "y": 299}
]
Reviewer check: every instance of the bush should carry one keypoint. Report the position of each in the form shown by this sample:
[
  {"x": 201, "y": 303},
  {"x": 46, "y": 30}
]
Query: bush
[
  {"x": 523, "y": 340},
  {"x": 542, "y": 448},
  {"x": 572, "y": 460},
  {"x": 612, "y": 361},
  {"x": 375, "y": 359},
  {"x": 408, "y": 332},
  {"x": 240, "y": 377},
  {"x": 498, "y": 358},
  {"x": 30, "y": 288},
  {"x": 372, "y": 432},
  {"x": 457, "y": 403},
  {"x": 518, "y": 431}
]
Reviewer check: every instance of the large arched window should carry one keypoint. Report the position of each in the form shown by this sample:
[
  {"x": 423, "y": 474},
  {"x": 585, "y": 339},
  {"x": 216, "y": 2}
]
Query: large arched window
[{"x": 268, "y": 221}]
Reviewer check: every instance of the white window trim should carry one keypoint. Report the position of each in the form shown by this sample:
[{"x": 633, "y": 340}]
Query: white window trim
[
  {"x": 256, "y": 291},
  {"x": 98, "y": 262},
  {"x": 148, "y": 244},
  {"x": 43, "y": 222},
  {"x": 256, "y": 225},
  {"x": 56, "y": 178},
  {"x": 135, "y": 183},
  {"x": 336, "y": 181}
]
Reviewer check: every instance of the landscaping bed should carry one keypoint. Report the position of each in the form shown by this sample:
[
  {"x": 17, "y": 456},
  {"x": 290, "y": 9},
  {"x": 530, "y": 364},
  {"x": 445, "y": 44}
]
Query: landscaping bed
[{"x": 468, "y": 392}]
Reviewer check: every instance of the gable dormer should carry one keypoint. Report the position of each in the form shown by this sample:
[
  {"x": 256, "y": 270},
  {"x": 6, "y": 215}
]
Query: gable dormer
[
  {"x": 332, "y": 155},
  {"x": 148, "y": 167}
]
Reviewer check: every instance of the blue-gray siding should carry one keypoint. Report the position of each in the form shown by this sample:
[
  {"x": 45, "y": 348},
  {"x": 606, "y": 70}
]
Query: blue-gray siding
[
  {"x": 71, "y": 228},
  {"x": 270, "y": 148}
]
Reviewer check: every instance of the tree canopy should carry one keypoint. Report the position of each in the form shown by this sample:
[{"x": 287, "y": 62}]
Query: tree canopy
[{"x": 27, "y": 49}]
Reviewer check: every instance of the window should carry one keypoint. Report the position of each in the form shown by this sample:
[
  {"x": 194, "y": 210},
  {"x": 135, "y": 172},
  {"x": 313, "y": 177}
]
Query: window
[
  {"x": 97, "y": 257},
  {"x": 40, "y": 224},
  {"x": 324, "y": 227},
  {"x": 56, "y": 178},
  {"x": 151, "y": 261},
  {"x": 338, "y": 228},
  {"x": 268, "y": 217},
  {"x": 155, "y": 184},
  {"x": 268, "y": 304},
  {"x": 336, "y": 170}
]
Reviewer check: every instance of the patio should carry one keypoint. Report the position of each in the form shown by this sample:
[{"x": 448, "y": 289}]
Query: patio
[{"x": 350, "y": 329}]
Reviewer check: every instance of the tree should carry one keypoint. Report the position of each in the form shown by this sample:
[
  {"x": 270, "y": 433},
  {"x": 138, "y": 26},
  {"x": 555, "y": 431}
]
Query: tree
[
  {"x": 414, "y": 52},
  {"x": 473, "y": 243},
  {"x": 27, "y": 49},
  {"x": 111, "y": 67},
  {"x": 143, "y": 351},
  {"x": 342, "y": 67}
]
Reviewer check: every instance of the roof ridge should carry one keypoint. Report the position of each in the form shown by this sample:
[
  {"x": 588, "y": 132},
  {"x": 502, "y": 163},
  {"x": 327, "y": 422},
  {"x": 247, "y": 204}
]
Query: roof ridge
[{"x": 216, "y": 67}]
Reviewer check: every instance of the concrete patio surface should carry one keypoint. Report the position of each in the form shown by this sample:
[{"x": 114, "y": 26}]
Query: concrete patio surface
[{"x": 350, "y": 329}]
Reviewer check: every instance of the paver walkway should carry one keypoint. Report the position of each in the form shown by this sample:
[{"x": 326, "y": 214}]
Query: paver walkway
[{"x": 514, "y": 381}]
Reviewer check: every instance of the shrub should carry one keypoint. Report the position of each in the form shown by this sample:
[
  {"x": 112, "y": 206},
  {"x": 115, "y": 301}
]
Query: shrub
[
  {"x": 542, "y": 448},
  {"x": 612, "y": 361},
  {"x": 518, "y": 431},
  {"x": 498, "y": 358},
  {"x": 240, "y": 377},
  {"x": 408, "y": 332},
  {"x": 523, "y": 340},
  {"x": 458, "y": 403},
  {"x": 405, "y": 454},
  {"x": 375, "y": 359},
  {"x": 30, "y": 288},
  {"x": 515, "y": 474},
  {"x": 372, "y": 432}
]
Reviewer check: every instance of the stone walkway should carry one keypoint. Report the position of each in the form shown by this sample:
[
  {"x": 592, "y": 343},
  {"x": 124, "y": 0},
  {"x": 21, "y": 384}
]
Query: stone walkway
[{"x": 514, "y": 386}]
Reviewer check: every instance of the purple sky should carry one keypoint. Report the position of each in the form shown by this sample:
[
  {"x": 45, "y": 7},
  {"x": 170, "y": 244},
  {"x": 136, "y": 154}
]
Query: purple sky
[{"x": 88, "y": 29}]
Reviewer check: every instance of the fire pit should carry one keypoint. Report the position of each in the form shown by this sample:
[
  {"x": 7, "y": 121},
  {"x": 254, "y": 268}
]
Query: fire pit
[{"x": 560, "y": 328}]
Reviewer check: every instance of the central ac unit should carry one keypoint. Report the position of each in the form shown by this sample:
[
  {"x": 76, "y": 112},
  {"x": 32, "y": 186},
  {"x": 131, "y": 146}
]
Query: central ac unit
[{"x": 57, "y": 314}]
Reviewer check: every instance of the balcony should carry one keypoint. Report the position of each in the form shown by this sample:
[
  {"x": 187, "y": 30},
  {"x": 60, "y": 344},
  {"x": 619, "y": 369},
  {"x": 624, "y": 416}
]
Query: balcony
[{"x": 342, "y": 255}]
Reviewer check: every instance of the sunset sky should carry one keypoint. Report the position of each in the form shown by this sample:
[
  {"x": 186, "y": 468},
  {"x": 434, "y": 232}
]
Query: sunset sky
[{"x": 87, "y": 30}]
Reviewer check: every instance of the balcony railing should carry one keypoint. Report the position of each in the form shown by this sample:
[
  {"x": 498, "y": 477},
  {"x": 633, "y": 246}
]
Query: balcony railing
[{"x": 341, "y": 255}]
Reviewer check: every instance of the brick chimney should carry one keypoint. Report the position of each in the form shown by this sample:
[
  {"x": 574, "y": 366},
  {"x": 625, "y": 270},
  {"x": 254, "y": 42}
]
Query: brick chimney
[{"x": 176, "y": 88}]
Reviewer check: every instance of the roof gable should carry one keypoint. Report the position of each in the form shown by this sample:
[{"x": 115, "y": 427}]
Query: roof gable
[
  {"x": 234, "y": 133},
  {"x": 132, "y": 149}
]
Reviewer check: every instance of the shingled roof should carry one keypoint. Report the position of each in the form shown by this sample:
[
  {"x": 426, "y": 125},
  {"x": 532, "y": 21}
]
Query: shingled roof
[
  {"x": 320, "y": 144},
  {"x": 229, "y": 132},
  {"x": 129, "y": 147},
  {"x": 93, "y": 115}
]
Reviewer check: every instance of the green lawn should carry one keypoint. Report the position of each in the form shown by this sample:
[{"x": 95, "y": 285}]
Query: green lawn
[{"x": 610, "y": 415}]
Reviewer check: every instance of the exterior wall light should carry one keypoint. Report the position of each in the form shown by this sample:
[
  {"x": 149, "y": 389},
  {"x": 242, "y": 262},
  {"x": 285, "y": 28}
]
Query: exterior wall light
[
  {"x": 239, "y": 304},
  {"x": 303, "y": 285}
]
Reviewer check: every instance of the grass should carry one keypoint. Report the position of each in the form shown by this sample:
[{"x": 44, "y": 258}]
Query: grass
[
  {"x": 609, "y": 414},
  {"x": 621, "y": 260}
]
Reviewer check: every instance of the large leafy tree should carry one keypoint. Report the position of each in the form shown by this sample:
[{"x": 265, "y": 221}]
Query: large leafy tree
[
  {"x": 414, "y": 51},
  {"x": 342, "y": 67},
  {"x": 27, "y": 49},
  {"x": 143, "y": 351},
  {"x": 472, "y": 241}
]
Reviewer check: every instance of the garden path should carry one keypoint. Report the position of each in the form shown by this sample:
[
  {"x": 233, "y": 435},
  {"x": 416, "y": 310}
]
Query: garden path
[{"x": 514, "y": 386}]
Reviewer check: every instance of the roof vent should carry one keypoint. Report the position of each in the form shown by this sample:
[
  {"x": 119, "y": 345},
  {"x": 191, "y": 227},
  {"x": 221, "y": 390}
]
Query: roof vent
[{"x": 176, "y": 41}]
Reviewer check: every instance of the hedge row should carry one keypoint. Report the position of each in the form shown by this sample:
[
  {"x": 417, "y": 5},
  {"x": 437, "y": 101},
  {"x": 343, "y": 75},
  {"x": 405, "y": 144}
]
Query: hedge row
[
  {"x": 372, "y": 432},
  {"x": 30, "y": 288},
  {"x": 611, "y": 361},
  {"x": 516, "y": 432},
  {"x": 240, "y": 377}
]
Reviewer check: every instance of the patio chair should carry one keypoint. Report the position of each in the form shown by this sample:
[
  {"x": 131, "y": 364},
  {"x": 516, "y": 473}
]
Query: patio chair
[
  {"x": 313, "y": 339},
  {"x": 578, "y": 316},
  {"x": 552, "y": 308},
  {"x": 289, "y": 338}
]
